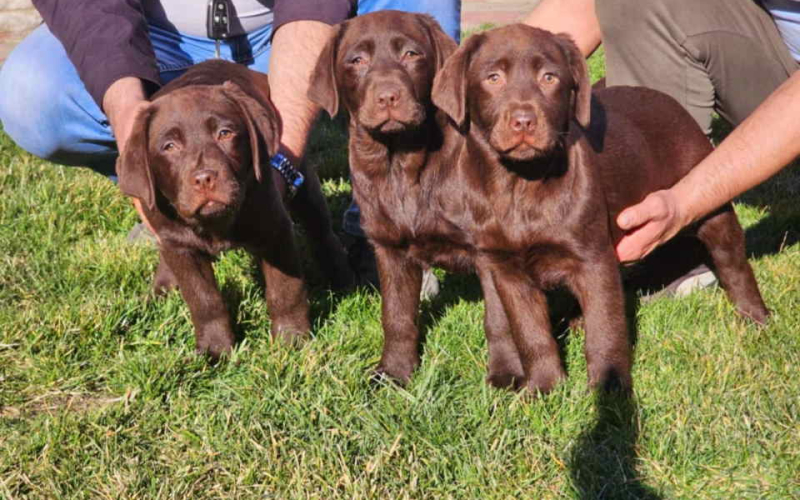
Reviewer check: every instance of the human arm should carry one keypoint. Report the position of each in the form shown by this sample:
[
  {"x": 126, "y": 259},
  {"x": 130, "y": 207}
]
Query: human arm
[
  {"x": 111, "y": 51},
  {"x": 574, "y": 17},
  {"x": 756, "y": 150},
  {"x": 104, "y": 42},
  {"x": 295, "y": 48},
  {"x": 302, "y": 28}
]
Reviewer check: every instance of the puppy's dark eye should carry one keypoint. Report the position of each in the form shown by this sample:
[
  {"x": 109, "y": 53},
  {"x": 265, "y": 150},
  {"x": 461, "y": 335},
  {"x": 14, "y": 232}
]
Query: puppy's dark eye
[
  {"x": 493, "y": 78},
  {"x": 168, "y": 147},
  {"x": 224, "y": 134},
  {"x": 549, "y": 78},
  {"x": 411, "y": 54},
  {"x": 357, "y": 60}
]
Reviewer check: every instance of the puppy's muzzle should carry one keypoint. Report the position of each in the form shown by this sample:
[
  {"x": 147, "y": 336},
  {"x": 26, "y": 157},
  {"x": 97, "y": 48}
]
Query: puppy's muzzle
[
  {"x": 522, "y": 121},
  {"x": 390, "y": 105},
  {"x": 388, "y": 97},
  {"x": 205, "y": 180}
]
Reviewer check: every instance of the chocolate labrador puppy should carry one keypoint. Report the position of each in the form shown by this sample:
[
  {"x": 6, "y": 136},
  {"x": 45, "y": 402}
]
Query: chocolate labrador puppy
[
  {"x": 456, "y": 189},
  {"x": 380, "y": 67},
  {"x": 555, "y": 167},
  {"x": 198, "y": 159}
]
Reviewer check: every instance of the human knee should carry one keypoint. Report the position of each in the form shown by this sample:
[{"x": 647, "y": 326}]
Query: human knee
[
  {"x": 45, "y": 108},
  {"x": 620, "y": 20},
  {"x": 27, "y": 99}
]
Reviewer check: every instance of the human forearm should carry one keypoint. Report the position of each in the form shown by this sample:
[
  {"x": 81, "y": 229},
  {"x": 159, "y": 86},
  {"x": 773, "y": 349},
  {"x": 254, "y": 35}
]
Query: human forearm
[
  {"x": 295, "y": 48},
  {"x": 105, "y": 42},
  {"x": 120, "y": 102},
  {"x": 574, "y": 17},
  {"x": 757, "y": 149}
]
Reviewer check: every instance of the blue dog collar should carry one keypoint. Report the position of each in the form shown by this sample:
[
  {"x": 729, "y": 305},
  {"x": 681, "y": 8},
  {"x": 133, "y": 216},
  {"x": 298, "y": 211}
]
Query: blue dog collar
[{"x": 294, "y": 179}]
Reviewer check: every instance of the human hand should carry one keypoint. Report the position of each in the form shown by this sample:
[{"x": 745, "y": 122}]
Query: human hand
[
  {"x": 120, "y": 103},
  {"x": 649, "y": 224}
]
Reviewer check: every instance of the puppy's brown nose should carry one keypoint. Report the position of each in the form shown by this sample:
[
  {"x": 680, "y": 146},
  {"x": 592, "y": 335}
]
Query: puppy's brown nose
[
  {"x": 205, "y": 179},
  {"x": 523, "y": 120},
  {"x": 388, "y": 98}
]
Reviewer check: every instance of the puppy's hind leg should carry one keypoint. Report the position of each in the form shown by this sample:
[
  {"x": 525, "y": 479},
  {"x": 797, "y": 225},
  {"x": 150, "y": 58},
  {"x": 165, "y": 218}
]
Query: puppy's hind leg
[
  {"x": 164, "y": 280},
  {"x": 723, "y": 236}
]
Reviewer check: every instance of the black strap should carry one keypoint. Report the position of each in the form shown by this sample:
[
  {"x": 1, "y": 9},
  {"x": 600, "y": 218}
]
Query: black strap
[{"x": 294, "y": 179}]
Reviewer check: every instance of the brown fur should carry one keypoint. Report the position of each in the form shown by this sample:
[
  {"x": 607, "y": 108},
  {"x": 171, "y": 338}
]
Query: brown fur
[
  {"x": 198, "y": 160},
  {"x": 506, "y": 180}
]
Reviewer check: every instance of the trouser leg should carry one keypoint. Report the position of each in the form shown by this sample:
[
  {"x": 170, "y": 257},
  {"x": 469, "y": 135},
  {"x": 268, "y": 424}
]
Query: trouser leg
[
  {"x": 446, "y": 12},
  {"x": 46, "y": 109},
  {"x": 712, "y": 55}
]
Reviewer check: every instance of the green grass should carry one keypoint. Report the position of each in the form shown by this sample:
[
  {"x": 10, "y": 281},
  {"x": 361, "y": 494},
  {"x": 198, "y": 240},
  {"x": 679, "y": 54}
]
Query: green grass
[{"x": 102, "y": 397}]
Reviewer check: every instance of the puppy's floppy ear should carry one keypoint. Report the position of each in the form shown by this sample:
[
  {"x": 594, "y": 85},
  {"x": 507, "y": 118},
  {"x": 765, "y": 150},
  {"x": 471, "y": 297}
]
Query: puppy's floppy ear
[
  {"x": 582, "y": 97},
  {"x": 443, "y": 45},
  {"x": 133, "y": 164},
  {"x": 324, "y": 90},
  {"x": 262, "y": 121},
  {"x": 450, "y": 85}
]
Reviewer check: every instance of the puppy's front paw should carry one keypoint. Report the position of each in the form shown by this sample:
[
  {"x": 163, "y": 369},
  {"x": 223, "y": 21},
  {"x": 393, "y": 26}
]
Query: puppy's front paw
[
  {"x": 215, "y": 338},
  {"x": 293, "y": 332},
  {"x": 163, "y": 287},
  {"x": 504, "y": 380},
  {"x": 505, "y": 367},
  {"x": 611, "y": 377},
  {"x": 757, "y": 313},
  {"x": 544, "y": 379},
  {"x": 164, "y": 280},
  {"x": 399, "y": 371},
  {"x": 214, "y": 348},
  {"x": 292, "y": 338}
]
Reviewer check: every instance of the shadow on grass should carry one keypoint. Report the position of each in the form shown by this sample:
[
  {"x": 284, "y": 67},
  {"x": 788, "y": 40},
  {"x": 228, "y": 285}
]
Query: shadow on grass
[
  {"x": 603, "y": 461},
  {"x": 778, "y": 196},
  {"x": 771, "y": 234}
]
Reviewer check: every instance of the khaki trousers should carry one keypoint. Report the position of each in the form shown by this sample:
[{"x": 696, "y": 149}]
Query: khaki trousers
[{"x": 710, "y": 55}]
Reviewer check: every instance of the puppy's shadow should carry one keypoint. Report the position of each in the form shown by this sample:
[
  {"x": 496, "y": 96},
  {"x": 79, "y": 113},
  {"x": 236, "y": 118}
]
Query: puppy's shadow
[
  {"x": 771, "y": 234},
  {"x": 603, "y": 461}
]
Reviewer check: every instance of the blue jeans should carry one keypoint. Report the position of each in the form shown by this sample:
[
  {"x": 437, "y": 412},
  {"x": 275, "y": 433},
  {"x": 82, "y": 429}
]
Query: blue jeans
[{"x": 46, "y": 110}]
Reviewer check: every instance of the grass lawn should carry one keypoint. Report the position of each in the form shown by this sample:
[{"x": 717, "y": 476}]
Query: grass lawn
[{"x": 102, "y": 397}]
